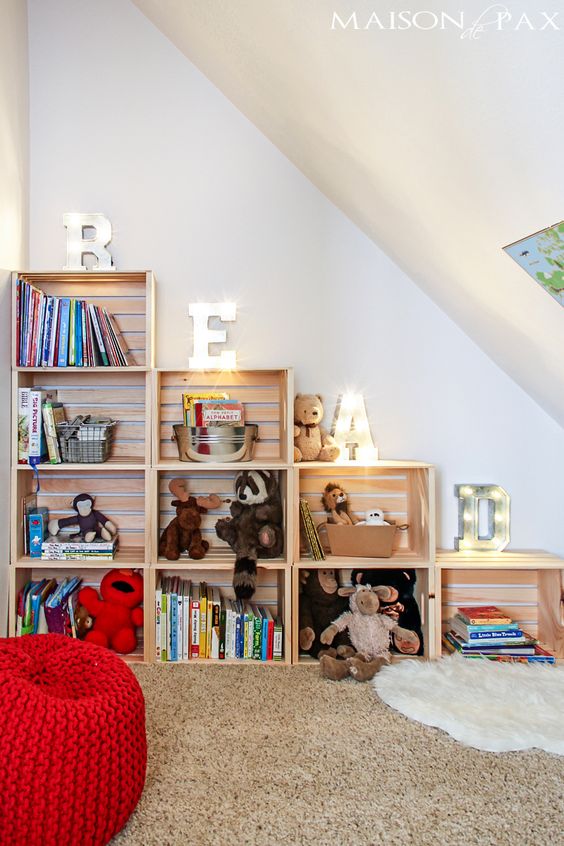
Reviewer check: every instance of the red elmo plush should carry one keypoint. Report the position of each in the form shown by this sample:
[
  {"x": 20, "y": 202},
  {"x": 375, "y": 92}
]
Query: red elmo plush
[{"x": 117, "y": 614}]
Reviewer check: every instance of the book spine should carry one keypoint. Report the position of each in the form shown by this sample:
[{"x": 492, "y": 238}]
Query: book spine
[
  {"x": 495, "y": 635},
  {"x": 63, "y": 353},
  {"x": 222, "y": 631},
  {"x": 99, "y": 338},
  {"x": 35, "y": 428},
  {"x": 203, "y": 627},
  {"x": 37, "y": 532},
  {"x": 270, "y": 652},
  {"x": 54, "y": 332},
  {"x": 173, "y": 627},
  {"x": 51, "y": 434},
  {"x": 195, "y": 628},
  {"x": 72, "y": 333},
  {"x": 277, "y": 645},
  {"x": 78, "y": 333},
  {"x": 107, "y": 340},
  {"x": 24, "y": 416},
  {"x": 186, "y": 627},
  {"x": 257, "y": 637},
  {"x": 164, "y": 627}
]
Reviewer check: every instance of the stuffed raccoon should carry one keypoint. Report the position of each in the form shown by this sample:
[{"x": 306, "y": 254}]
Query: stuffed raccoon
[{"x": 254, "y": 529}]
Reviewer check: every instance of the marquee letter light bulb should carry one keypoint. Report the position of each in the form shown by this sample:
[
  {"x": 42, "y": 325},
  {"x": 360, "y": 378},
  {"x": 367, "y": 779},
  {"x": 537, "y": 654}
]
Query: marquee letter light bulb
[
  {"x": 204, "y": 336},
  {"x": 351, "y": 426},
  {"x": 78, "y": 246},
  {"x": 497, "y": 500}
]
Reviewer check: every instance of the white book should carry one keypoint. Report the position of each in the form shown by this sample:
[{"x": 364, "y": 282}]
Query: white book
[
  {"x": 186, "y": 618},
  {"x": 24, "y": 402},
  {"x": 37, "y": 442},
  {"x": 158, "y": 612}
]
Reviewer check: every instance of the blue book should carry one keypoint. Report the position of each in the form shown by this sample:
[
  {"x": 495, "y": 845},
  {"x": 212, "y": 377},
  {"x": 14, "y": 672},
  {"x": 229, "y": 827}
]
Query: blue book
[
  {"x": 37, "y": 524},
  {"x": 48, "y": 329},
  {"x": 63, "y": 355},
  {"x": 264, "y": 634},
  {"x": 78, "y": 333},
  {"x": 238, "y": 640},
  {"x": 174, "y": 626}
]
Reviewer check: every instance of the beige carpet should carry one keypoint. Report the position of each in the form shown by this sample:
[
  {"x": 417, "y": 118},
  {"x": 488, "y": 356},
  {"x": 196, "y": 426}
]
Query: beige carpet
[{"x": 262, "y": 755}]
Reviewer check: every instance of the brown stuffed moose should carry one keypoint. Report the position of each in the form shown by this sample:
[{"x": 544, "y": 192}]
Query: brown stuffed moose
[{"x": 183, "y": 532}]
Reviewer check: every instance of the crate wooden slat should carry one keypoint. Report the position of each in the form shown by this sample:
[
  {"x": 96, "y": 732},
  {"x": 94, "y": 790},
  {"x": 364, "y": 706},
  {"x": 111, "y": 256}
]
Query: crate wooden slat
[
  {"x": 126, "y": 295},
  {"x": 264, "y": 393}
]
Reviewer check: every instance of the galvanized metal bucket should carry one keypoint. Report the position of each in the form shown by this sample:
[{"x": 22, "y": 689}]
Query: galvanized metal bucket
[{"x": 215, "y": 443}]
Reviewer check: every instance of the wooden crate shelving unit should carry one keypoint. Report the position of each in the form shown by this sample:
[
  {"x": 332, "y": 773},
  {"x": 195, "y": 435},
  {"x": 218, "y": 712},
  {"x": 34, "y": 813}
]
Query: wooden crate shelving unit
[
  {"x": 528, "y": 586},
  {"x": 268, "y": 398},
  {"x": 405, "y": 490},
  {"x": 122, "y": 485}
]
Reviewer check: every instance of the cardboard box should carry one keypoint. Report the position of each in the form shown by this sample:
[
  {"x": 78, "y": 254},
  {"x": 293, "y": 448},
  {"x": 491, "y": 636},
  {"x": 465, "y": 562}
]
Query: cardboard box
[{"x": 361, "y": 541}]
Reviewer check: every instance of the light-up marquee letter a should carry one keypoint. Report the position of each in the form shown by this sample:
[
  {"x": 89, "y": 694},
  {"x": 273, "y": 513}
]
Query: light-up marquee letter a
[{"x": 204, "y": 336}]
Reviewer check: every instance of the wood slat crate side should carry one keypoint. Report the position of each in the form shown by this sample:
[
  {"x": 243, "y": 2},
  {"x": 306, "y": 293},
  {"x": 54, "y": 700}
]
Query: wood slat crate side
[
  {"x": 60, "y": 483},
  {"x": 219, "y": 380},
  {"x": 551, "y": 609},
  {"x": 472, "y": 595},
  {"x": 376, "y": 485}
]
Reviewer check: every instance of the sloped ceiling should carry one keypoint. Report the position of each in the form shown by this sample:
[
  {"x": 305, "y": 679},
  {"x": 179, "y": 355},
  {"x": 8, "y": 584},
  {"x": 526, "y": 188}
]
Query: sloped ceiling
[{"x": 442, "y": 149}]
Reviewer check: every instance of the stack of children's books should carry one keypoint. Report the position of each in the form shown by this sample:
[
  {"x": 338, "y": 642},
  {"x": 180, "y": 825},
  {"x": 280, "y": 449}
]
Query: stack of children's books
[
  {"x": 486, "y": 632},
  {"x": 212, "y": 408},
  {"x": 194, "y": 621},
  {"x": 47, "y": 606},
  {"x": 65, "y": 332}
]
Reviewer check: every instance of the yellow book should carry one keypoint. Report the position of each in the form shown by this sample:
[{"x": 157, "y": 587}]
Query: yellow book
[
  {"x": 203, "y": 620},
  {"x": 190, "y": 397}
]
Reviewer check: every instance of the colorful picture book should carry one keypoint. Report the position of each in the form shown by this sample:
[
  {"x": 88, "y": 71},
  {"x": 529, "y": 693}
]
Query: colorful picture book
[
  {"x": 189, "y": 398},
  {"x": 194, "y": 621},
  {"x": 486, "y": 632},
  {"x": 65, "y": 332},
  {"x": 39, "y": 414},
  {"x": 47, "y": 606}
]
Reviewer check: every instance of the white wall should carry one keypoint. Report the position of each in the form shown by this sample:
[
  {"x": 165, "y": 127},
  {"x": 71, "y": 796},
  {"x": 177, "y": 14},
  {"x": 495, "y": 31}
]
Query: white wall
[
  {"x": 122, "y": 123},
  {"x": 14, "y": 144}
]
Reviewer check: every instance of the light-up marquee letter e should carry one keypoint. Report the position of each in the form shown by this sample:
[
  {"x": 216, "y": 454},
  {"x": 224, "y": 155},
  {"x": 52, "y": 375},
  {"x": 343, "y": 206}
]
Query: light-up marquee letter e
[
  {"x": 483, "y": 518},
  {"x": 204, "y": 336},
  {"x": 78, "y": 245}
]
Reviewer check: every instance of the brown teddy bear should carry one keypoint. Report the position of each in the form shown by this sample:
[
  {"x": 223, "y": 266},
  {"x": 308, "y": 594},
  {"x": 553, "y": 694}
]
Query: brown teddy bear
[
  {"x": 311, "y": 442},
  {"x": 183, "y": 532}
]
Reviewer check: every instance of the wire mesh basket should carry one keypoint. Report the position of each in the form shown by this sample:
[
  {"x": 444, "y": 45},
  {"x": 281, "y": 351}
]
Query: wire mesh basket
[{"x": 87, "y": 440}]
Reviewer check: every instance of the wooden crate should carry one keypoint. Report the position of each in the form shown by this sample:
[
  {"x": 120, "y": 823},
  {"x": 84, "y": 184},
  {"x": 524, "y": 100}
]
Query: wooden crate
[
  {"x": 527, "y": 586},
  {"x": 202, "y": 482},
  {"x": 403, "y": 490},
  {"x": 128, "y": 296},
  {"x": 424, "y": 594},
  {"x": 119, "y": 494},
  {"x": 92, "y": 575},
  {"x": 273, "y": 590},
  {"x": 266, "y": 394},
  {"x": 122, "y": 394}
]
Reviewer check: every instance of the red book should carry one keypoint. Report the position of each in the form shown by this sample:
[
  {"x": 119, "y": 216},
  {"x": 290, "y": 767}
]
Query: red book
[
  {"x": 270, "y": 647},
  {"x": 481, "y": 615}
]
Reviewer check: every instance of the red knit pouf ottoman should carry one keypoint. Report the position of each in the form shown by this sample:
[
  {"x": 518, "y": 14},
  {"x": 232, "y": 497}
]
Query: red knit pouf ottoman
[{"x": 73, "y": 750}]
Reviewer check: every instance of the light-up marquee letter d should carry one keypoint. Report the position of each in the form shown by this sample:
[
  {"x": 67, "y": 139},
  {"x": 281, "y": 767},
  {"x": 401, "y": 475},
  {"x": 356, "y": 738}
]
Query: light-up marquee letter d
[
  {"x": 203, "y": 336},
  {"x": 483, "y": 518},
  {"x": 78, "y": 245}
]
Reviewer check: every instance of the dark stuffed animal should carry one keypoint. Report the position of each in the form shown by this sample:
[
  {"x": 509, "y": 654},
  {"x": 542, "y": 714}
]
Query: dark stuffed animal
[
  {"x": 91, "y": 523},
  {"x": 405, "y": 609},
  {"x": 183, "y": 532},
  {"x": 254, "y": 529},
  {"x": 320, "y": 604}
]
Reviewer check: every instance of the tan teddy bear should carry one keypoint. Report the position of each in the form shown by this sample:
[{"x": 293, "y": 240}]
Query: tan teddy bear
[{"x": 311, "y": 442}]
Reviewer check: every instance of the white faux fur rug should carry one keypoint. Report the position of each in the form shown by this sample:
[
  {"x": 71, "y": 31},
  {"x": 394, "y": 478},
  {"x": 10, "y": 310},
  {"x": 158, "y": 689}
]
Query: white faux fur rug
[{"x": 491, "y": 706}]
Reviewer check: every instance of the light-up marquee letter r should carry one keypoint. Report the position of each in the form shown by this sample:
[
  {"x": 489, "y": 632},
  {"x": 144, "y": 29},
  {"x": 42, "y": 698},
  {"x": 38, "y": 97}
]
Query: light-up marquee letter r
[
  {"x": 204, "y": 336},
  {"x": 79, "y": 246}
]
